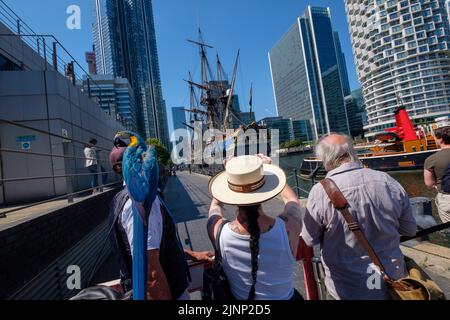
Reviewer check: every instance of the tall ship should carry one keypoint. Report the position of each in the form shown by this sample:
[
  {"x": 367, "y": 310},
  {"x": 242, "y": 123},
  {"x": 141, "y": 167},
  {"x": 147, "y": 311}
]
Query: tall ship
[
  {"x": 213, "y": 105},
  {"x": 403, "y": 147}
]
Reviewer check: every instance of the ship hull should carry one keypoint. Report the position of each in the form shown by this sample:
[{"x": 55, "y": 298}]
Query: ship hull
[{"x": 390, "y": 162}]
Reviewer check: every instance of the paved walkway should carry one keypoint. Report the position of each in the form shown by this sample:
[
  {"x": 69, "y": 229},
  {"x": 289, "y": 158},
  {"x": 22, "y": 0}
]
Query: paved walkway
[
  {"x": 19, "y": 214},
  {"x": 188, "y": 198}
]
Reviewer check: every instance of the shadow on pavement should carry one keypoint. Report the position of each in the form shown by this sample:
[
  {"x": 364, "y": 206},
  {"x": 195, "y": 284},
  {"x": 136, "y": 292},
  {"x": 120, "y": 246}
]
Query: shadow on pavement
[{"x": 182, "y": 207}]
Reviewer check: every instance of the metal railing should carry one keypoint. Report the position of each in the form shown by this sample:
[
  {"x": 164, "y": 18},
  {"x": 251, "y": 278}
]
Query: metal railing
[
  {"x": 55, "y": 57},
  {"x": 68, "y": 153}
]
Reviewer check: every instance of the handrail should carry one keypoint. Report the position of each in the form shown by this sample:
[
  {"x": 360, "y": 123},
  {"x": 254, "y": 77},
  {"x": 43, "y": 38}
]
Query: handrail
[
  {"x": 67, "y": 155},
  {"x": 51, "y": 177},
  {"x": 49, "y": 53},
  {"x": 49, "y": 155},
  {"x": 47, "y": 133}
]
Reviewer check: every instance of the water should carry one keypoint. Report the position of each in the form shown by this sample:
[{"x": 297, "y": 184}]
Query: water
[{"x": 412, "y": 181}]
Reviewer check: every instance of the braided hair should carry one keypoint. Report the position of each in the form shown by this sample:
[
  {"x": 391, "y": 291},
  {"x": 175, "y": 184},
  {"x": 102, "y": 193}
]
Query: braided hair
[{"x": 252, "y": 214}]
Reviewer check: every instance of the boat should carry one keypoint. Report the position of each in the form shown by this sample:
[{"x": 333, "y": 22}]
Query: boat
[
  {"x": 212, "y": 107},
  {"x": 403, "y": 147}
]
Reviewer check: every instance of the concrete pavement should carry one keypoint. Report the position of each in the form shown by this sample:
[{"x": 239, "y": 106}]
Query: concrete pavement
[{"x": 188, "y": 198}]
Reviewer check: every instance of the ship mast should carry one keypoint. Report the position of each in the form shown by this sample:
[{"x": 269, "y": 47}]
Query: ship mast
[{"x": 230, "y": 93}]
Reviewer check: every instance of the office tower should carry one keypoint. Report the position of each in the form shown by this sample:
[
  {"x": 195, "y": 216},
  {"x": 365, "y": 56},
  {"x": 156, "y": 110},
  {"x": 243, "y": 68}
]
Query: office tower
[
  {"x": 342, "y": 64},
  {"x": 115, "y": 97},
  {"x": 286, "y": 131},
  {"x": 402, "y": 58},
  {"x": 125, "y": 42},
  {"x": 302, "y": 130},
  {"x": 91, "y": 62},
  {"x": 105, "y": 36},
  {"x": 247, "y": 117},
  {"x": 179, "y": 118},
  {"x": 306, "y": 75},
  {"x": 354, "y": 103}
]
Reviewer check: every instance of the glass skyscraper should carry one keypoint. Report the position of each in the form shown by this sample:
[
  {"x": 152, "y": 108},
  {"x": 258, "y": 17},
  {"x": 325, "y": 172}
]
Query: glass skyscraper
[
  {"x": 125, "y": 45},
  {"x": 401, "y": 50},
  {"x": 307, "y": 76},
  {"x": 179, "y": 118},
  {"x": 115, "y": 96}
]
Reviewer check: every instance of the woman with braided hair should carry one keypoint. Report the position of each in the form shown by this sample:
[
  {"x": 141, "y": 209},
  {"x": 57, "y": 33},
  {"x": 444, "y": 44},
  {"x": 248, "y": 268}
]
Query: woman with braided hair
[{"x": 258, "y": 252}]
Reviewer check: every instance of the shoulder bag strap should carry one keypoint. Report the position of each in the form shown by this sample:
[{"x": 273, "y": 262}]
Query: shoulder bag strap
[
  {"x": 340, "y": 203},
  {"x": 218, "y": 253}
]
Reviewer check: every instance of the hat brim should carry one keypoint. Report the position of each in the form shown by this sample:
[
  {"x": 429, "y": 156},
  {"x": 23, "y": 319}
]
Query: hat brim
[{"x": 274, "y": 184}]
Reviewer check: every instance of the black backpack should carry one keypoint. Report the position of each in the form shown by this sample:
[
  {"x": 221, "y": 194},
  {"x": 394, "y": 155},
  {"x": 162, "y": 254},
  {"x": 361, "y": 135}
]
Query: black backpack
[
  {"x": 445, "y": 183},
  {"x": 215, "y": 282}
]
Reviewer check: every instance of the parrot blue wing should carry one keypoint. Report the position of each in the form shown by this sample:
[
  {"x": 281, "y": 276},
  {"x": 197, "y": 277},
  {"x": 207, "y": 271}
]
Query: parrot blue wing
[{"x": 141, "y": 175}]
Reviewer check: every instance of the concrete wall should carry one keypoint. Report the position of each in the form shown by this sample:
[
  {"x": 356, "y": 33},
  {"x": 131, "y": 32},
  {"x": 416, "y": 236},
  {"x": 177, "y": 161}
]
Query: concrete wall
[
  {"x": 46, "y": 100},
  {"x": 29, "y": 249},
  {"x": 16, "y": 50}
]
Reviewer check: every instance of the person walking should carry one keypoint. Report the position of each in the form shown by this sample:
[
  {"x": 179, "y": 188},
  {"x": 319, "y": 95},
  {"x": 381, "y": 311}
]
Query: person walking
[
  {"x": 382, "y": 210},
  {"x": 258, "y": 251},
  {"x": 437, "y": 172},
  {"x": 90, "y": 153}
]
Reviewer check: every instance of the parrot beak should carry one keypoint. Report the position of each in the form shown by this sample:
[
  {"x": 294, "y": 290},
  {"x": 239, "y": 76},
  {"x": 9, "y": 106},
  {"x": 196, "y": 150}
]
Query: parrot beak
[{"x": 122, "y": 140}]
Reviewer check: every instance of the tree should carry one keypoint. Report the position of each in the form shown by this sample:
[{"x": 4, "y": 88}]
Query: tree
[
  {"x": 291, "y": 144},
  {"x": 163, "y": 153}
]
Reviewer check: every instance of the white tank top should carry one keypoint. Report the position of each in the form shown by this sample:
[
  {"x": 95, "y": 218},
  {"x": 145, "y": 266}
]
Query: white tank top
[{"x": 275, "y": 279}]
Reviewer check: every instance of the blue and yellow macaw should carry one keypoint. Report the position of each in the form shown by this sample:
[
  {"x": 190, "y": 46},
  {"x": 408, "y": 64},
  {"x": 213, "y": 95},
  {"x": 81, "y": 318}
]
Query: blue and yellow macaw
[{"x": 141, "y": 176}]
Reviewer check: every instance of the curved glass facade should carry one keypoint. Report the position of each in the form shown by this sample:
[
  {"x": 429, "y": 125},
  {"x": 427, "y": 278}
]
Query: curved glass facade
[{"x": 401, "y": 50}]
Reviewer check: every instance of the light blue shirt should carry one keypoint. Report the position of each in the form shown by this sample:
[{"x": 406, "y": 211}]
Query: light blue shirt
[{"x": 381, "y": 207}]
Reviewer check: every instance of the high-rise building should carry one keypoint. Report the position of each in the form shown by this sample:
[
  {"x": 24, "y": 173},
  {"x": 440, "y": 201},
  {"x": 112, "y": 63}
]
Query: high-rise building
[
  {"x": 354, "y": 103},
  {"x": 106, "y": 36},
  {"x": 302, "y": 130},
  {"x": 247, "y": 117},
  {"x": 402, "y": 55},
  {"x": 179, "y": 118},
  {"x": 115, "y": 97},
  {"x": 286, "y": 131},
  {"x": 91, "y": 62},
  {"x": 342, "y": 63},
  {"x": 306, "y": 74},
  {"x": 125, "y": 45}
]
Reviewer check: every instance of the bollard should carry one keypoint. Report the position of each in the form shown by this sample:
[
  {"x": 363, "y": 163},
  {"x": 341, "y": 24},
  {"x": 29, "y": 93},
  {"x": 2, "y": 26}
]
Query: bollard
[
  {"x": 306, "y": 254},
  {"x": 296, "y": 183}
]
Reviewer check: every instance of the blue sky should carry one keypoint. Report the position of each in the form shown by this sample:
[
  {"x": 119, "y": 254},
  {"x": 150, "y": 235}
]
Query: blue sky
[{"x": 254, "y": 26}]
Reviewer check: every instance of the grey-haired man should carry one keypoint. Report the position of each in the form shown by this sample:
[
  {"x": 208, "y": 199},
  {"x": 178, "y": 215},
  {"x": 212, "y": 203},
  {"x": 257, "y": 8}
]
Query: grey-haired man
[{"x": 381, "y": 207}]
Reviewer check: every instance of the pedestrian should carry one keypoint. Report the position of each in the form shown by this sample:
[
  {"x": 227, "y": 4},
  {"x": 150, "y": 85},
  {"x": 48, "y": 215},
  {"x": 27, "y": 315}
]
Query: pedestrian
[
  {"x": 381, "y": 208},
  {"x": 437, "y": 172},
  {"x": 168, "y": 272},
  {"x": 174, "y": 170},
  {"x": 90, "y": 153},
  {"x": 258, "y": 252}
]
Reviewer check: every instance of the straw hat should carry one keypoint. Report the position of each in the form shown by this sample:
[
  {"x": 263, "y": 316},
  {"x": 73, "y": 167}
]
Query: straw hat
[{"x": 247, "y": 181}]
